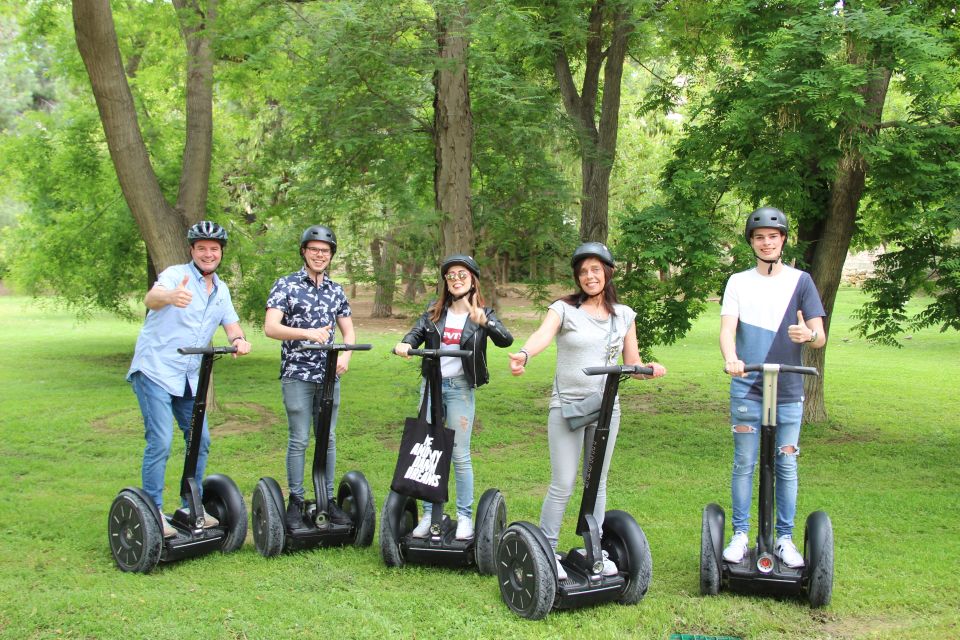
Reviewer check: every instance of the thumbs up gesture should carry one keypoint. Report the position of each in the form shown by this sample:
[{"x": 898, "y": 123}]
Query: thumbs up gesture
[
  {"x": 800, "y": 332},
  {"x": 181, "y": 296}
]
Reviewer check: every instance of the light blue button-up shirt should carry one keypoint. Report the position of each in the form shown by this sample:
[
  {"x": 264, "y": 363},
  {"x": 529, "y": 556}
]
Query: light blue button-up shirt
[{"x": 169, "y": 328}]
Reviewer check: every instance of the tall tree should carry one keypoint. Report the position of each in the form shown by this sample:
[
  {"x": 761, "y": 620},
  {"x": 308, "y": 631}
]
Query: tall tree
[
  {"x": 453, "y": 128},
  {"x": 161, "y": 224}
]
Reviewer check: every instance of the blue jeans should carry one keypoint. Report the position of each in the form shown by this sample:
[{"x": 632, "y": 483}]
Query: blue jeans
[
  {"x": 459, "y": 407},
  {"x": 301, "y": 400},
  {"x": 746, "y": 446},
  {"x": 159, "y": 410}
]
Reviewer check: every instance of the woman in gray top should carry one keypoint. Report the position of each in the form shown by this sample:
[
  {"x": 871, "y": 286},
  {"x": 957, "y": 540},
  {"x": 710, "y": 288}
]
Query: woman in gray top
[{"x": 592, "y": 329}]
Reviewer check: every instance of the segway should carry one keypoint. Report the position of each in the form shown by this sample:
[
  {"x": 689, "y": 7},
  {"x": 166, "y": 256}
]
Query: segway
[
  {"x": 760, "y": 571},
  {"x": 526, "y": 569},
  {"x": 271, "y": 535},
  {"x": 399, "y": 514},
  {"x": 134, "y": 527}
]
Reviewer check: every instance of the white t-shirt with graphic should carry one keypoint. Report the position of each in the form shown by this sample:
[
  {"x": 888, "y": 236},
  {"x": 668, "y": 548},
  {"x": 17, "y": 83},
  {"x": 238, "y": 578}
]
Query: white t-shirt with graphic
[{"x": 450, "y": 339}]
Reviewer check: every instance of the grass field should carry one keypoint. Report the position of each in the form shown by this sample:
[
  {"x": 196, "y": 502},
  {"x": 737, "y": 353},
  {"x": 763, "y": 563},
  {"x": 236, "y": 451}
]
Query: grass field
[{"x": 884, "y": 467}]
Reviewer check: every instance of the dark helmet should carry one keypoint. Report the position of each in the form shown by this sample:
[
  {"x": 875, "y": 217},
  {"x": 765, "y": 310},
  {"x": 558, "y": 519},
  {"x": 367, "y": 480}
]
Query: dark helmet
[
  {"x": 207, "y": 230},
  {"x": 319, "y": 233},
  {"x": 766, "y": 218},
  {"x": 460, "y": 258},
  {"x": 595, "y": 249}
]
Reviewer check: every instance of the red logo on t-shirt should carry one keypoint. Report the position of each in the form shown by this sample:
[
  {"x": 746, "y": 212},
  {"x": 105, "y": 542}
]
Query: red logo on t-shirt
[{"x": 451, "y": 337}]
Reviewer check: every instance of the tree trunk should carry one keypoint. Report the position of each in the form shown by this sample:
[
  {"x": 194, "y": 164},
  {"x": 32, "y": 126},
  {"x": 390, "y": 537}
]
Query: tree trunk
[
  {"x": 598, "y": 142},
  {"x": 453, "y": 131},
  {"x": 838, "y": 227},
  {"x": 413, "y": 280},
  {"x": 162, "y": 227},
  {"x": 383, "y": 251}
]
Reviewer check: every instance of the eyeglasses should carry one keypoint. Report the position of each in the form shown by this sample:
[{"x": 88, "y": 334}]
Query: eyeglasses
[
  {"x": 456, "y": 275},
  {"x": 317, "y": 251}
]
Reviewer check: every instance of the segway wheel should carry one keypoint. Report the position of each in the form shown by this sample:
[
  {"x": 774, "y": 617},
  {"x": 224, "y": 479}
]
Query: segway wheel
[
  {"x": 528, "y": 584},
  {"x": 356, "y": 499},
  {"x": 492, "y": 518},
  {"x": 625, "y": 542},
  {"x": 397, "y": 519},
  {"x": 268, "y": 528},
  {"x": 222, "y": 499},
  {"x": 818, "y": 556},
  {"x": 710, "y": 528},
  {"x": 135, "y": 536}
]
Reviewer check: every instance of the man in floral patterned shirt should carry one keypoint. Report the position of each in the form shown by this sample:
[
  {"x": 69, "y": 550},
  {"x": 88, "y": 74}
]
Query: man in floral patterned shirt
[{"x": 302, "y": 308}]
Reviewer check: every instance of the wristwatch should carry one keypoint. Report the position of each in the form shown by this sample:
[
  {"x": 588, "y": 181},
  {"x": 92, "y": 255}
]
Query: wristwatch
[{"x": 813, "y": 336}]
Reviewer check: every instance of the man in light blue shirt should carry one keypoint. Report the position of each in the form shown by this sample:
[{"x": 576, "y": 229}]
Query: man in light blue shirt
[{"x": 186, "y": 305}]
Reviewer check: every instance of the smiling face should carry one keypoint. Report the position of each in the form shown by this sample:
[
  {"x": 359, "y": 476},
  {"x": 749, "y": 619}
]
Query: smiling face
[
  {"x": 591, "y": 276},
  {"x": 458, "y": 279},
  {"x": 767, "y": 243},
  {"x": 316, "y": 255},
  {"x": 206, "y": 254}
]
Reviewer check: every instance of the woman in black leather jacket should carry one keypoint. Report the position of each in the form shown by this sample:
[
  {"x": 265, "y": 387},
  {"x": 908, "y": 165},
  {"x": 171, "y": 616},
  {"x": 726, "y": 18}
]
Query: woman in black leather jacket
[{"x": 458, "y": 320}]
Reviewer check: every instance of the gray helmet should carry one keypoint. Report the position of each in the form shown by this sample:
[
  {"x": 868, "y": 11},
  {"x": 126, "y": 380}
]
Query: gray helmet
[
  {"x": 595, "y": 249},
  {"x": 460, "y": 258},
  {"x": 207, "y": 230},
  {"x": 766, "y": 218},
  {"x": 319, "y": 233}
]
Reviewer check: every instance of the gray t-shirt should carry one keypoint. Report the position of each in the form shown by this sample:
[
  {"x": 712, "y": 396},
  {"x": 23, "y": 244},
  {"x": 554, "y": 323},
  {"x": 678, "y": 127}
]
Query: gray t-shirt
[{"x": 584, "y": 341}]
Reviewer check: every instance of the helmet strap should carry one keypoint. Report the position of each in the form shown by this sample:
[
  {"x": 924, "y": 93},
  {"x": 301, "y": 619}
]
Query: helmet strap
[
  {"x": 770, "y": 263},
  {"x": 202, "y": 272},
  {"x": 462, "y": 295}
]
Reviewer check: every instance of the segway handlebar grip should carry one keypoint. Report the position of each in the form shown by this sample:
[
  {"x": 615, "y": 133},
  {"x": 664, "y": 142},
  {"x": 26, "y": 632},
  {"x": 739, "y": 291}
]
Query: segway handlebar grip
[
  {"x": 204, "y": 351},
  {"x": 783, "y": 368},
  {"x": 622, "y": 369},
  {"x": 438, "y": 353},
  {"x": 334, "y": 346}
]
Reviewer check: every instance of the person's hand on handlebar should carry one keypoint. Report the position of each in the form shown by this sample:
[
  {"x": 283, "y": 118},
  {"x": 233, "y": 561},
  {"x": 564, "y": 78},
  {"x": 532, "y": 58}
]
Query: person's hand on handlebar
[
  {"x": 320, "y": 335},
  {"x": 658, "y": 371},
  {"x": 735, "y": 368},
  {"x": 402, "y": 349}
]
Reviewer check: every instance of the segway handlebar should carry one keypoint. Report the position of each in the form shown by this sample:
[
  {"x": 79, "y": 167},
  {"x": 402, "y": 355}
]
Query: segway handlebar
[
  {"x": 439, "y": 353},
  {"x": 783, "y": 368},
  {"x": 205, "y": 351},
  {"x": 334, "y": 346},
  {"x": 622, "y": 369}
]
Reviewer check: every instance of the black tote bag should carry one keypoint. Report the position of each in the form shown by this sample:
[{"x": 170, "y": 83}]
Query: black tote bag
[{"x": 423, "y": 464}]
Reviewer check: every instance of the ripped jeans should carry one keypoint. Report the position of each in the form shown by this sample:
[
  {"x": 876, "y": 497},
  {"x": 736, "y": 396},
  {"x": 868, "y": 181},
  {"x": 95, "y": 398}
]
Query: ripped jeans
[
  {"x": 459, "y": 407},
  {"x": 746, "y": 446}
]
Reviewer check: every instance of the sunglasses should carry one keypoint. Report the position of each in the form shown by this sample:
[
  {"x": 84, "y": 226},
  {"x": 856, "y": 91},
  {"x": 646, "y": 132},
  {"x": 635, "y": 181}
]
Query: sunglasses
[{"x": 456, "y": 275}]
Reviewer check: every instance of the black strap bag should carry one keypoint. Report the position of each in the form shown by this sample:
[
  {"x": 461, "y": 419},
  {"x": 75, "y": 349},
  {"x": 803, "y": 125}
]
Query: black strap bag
[{"x": 423, "y": 464}]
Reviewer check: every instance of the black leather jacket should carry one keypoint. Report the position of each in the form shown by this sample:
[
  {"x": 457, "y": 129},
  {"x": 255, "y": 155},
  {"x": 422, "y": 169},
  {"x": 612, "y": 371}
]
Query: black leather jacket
[{"x": 474, "y": 338}]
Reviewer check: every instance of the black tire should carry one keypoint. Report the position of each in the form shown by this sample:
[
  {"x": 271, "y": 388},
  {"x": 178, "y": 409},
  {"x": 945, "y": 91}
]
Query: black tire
[
  {"x": 818, "y": 556},
  {"x": 711, "y": 527},
  {"x": 625, "y": 542},
  {"x": 134, "y": 533},
  {"x": 491, "y": 520},
  {"x": 222, "y": 499},
  {"x": 528, "y": 581},
  {"x": 356, "y": 498},
  {"x": 268, "y": 528},
  {"x": 397, "y": 519}
]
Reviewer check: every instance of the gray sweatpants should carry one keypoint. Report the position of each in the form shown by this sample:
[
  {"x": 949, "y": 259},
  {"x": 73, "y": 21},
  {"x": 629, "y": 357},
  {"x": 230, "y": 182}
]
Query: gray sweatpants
[{"x": 566, "y": 450}]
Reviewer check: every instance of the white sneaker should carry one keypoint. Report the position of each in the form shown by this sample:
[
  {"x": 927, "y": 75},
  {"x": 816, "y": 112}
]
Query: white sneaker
[
  {"x": 464, "y": 528},
  {"x": 609, "y": 567},
  {"x": 737, "y": 547},
  {"x": 168, "y": 530},
  {"x": 787, "y": 552},
  {"x": 561, "y": 572},
  {"x": 209, "y": 520},
  {"x": 422, "y": 530}
]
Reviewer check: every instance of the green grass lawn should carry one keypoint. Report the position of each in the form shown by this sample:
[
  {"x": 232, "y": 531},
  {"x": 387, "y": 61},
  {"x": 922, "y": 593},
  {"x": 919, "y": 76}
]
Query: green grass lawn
[{"x": 884, "y": 467}]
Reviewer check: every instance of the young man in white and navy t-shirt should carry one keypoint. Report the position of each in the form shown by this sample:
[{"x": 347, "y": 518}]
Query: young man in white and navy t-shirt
[{"x": 768, "y": 314}]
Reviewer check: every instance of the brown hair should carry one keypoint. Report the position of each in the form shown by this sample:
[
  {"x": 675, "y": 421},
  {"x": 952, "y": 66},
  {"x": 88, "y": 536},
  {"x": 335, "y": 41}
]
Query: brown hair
[
  {"x": 578, "y": 297},
  {"x": 444, "y": 300}
]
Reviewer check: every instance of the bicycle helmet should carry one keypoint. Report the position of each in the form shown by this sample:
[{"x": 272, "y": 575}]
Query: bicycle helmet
[{"x": 207, "y": 230}]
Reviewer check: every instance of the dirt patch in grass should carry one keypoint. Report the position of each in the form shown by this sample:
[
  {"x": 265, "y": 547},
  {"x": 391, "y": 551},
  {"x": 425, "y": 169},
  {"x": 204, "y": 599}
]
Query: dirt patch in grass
[
  {"x": 233, "y": 418},
  {"x": 858, "y": 627}
]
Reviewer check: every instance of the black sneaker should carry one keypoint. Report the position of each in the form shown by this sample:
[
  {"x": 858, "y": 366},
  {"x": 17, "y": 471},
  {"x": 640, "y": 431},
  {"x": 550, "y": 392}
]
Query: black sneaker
[
  {"x": 294, "y": 517},
  {"x": 337, "y": 515}
]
